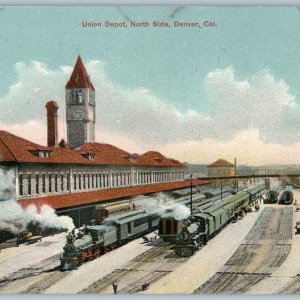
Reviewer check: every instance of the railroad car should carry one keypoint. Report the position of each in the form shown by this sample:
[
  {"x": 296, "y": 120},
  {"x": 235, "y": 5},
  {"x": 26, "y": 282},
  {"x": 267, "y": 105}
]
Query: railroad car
[
  {"x": 256, "y": 192},
  {"x": 198, "y": 198},
  {"x": 185, "y": 192},
  {"x": 209, "y": 221},
  {"x": 267, "y": 183},
  {"x": 272, "y": 196},
  {"x": 105, "y": 211},
  {"x": 287, "y": 196},
  {"x": 214, "y": 192},
  {"x": 170, "y": 224}
]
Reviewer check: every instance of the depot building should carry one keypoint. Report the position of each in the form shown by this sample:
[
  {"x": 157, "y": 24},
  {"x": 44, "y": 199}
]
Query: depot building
[{"x": 80, "y": 171}]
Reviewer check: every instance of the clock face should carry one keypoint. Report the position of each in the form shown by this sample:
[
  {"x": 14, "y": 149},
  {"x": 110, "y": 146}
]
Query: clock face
[{"x": 77, "y": 113}]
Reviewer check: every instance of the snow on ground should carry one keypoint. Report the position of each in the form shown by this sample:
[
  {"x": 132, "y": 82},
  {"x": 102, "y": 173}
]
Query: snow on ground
[
  {"x": 207, "y": 261},
  {"x": 94, "y": 270},
  {"x": 16, "y": 258}
]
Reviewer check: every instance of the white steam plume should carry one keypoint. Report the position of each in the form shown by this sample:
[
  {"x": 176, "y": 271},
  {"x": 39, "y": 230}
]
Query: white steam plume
[
  {"x": 7, "y": 183},
  {"x": 16, "y": 219}
]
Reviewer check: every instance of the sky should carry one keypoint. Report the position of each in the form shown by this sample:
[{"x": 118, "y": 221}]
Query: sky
[{"x": 195, "y": 94}]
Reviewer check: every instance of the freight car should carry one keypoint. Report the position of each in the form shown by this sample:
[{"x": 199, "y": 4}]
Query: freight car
[
  {"x": 272, "y": 196},
  {"x": 287, "y": 196}
]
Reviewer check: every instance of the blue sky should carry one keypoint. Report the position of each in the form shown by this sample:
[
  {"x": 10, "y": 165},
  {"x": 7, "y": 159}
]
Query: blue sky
[{"x": 172, "y": 64}]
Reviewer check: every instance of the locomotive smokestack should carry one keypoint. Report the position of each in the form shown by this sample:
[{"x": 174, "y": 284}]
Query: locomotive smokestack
[{"x": 52, "y": 131}]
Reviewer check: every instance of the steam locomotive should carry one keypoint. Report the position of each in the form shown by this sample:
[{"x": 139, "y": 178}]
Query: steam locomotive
[
  {"x": 188, "y": 234},
  {"x": 287, "y": 196},
  {"x": 95, "y": 240}
]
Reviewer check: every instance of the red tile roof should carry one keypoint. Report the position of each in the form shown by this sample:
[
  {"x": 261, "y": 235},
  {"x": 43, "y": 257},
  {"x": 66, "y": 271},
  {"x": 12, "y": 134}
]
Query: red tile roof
[
  {"x": 220, "y": 163},
  {"x": 79, "y": 77},
  {"x": 77, "y": 199},
  {"x": 17, "y": 149}
]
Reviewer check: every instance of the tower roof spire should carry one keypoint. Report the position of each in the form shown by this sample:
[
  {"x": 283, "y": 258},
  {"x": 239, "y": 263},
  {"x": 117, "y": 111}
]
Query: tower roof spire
[{"x": 79, "y": 77}]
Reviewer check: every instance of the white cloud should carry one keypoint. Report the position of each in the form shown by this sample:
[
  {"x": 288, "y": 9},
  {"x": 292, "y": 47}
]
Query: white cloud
[
  {"x": 259, "y": 102},
  {"x": 137, "y": 120},
  {"x": 246, "y": 146}
]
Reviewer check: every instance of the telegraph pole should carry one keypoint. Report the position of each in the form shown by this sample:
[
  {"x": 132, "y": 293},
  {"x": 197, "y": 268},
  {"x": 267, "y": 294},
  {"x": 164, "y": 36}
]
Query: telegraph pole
[
  {"x": 191, "y": 193},
  {"x": 221, "y": 190}
]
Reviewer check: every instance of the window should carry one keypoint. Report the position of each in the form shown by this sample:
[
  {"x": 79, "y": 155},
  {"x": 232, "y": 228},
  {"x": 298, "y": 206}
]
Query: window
[
  {"x": 96, "y": 175},
  {"x": 29, "y": 184},
  {"x": 40, "y": 153},
  {"x": 92, "y": 181},
  {"x": 50, "y": 183},
  {"x": 80, "y": 96},
  {"x": 44, "y": 183},
  {"x": 68, "y": 181},
  {"x": 75, "y": 182},
  {"x": 21, "y": 185},
  {"x": 62, "y": 182},
  {"x": 84, "y": 183},
  {"x": 88, "y": 180},
  {"x": 107, "y": 179},
  {"x": 55, "y": 182},
  {"x": 79, "y": 181},
  {"x": 37, "y": 183}
]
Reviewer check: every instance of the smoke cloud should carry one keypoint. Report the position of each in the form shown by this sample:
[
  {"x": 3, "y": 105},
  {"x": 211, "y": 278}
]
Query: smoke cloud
[
  {"x": 7, "y": 183},
  {"x": 16, "y": 219}
]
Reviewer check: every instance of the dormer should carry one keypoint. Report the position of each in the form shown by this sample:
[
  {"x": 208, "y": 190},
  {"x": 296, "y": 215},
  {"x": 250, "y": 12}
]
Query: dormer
[
  {"x": 41, "y": 153},
  {"x": 88, "y": 155}
]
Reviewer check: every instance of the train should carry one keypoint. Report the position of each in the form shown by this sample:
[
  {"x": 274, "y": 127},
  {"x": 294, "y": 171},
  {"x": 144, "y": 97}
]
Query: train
[
  {"x": 95, "y": 240},
  {"x": 183, "y": 192},
  {"x": 104, "y": 211},
  {"x": 214, "y": 192},
  {"x": 188, "y": 234},
  {"x": 92, "y": 241},
  {"x": 272, "y": 196},
  {"x": 286, "y": 197}
]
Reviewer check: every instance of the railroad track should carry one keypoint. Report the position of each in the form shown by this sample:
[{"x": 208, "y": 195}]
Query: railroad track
[
  {"x": 237, "y": 261},
  {"x": 272, "y": 230},
  {"x": 43, "y": 284},
  {"x": 33, "y": 270},
  {"x": 154, "y": 254},
  {"x": 291, "y": 288}
]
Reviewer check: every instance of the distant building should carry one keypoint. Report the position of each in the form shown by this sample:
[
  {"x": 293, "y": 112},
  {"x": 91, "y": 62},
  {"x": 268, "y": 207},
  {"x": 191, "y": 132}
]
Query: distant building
[{"x": 221, "y": 168}]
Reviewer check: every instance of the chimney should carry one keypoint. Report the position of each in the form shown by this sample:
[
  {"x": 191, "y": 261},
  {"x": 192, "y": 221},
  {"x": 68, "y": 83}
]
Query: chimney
[{"x": 52, "y": 130}]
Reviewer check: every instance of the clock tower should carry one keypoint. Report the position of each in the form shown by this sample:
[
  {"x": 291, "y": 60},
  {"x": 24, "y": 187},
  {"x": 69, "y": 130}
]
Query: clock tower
[{"x": 80, "y": 107}]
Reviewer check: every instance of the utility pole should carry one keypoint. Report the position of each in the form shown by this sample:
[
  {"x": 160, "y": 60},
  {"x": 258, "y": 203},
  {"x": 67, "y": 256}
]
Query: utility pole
[
  {"x": 221, "y": 190},
  {"x": 191, "y": 193}
]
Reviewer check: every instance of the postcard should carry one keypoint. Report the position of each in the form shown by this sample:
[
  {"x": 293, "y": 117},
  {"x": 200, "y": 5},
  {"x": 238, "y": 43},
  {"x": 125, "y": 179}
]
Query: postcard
[{"x": 149, "y": 150}]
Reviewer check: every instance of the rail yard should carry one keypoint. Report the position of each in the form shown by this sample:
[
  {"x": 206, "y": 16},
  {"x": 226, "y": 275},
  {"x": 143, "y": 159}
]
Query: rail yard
[{"x": 258, "y": 241}]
